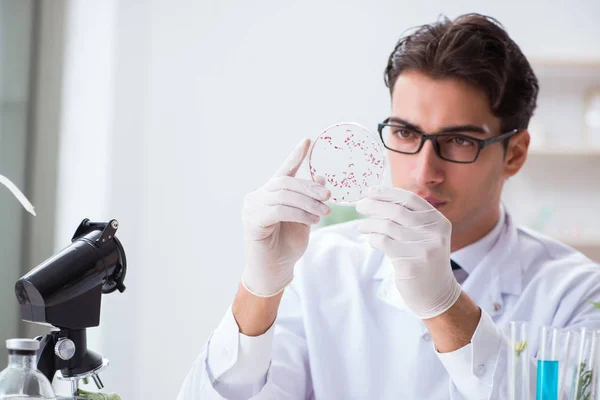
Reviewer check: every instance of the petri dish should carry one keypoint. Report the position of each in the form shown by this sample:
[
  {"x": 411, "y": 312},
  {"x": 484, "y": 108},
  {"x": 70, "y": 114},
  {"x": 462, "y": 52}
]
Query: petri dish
[{"x": 351, "y": 160}]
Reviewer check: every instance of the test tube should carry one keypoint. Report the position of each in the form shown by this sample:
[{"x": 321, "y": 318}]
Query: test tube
[
  {"x": 518, "y": 360},
  {"x": 585, "y": 372},
  {"x": 548, "y": 364}
]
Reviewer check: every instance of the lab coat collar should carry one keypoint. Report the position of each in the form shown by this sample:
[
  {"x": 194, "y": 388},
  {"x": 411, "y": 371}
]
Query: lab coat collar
[
  {"x": 470, "y": 256},
  {"x": 499, "y": 272},
  {"x": 502, "y": 265}
]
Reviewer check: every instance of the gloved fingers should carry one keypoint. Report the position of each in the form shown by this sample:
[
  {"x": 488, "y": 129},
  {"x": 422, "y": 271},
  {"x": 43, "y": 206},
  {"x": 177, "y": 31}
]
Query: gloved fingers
[
  {"x": 381, "y": 242},
  {"x": 270, "y": 215},
  {"x": 295, "y": 200},
  {"x": 302, "y": 186},
  {"x": 320, "y": 180},
  {"x": 405, "y": 252},
  {"x": 397, "y": 251},
  {"x": 407, "y": 258},
  {"x": 393, "y": 230},
  {"x": 396, "y": 212},
  {"x": 406, "y": 198},
  {"x": 294, "y": 160}
]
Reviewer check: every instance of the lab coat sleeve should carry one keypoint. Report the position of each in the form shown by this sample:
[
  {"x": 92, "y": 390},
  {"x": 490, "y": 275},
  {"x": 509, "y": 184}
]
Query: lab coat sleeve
[
  {"x": 233, "y": 366},
  {"x": 474, "y": 367}
]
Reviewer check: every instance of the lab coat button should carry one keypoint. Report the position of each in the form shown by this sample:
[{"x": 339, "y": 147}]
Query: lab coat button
[
  {"x": 480, "y": 370},
  {"x": 497, "y": 307},
  {"x": 426, "y": 337}
]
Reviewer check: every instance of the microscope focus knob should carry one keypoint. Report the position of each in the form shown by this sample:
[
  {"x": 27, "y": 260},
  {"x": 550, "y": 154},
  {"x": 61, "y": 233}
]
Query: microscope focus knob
[{"x": 64, "y": 349}]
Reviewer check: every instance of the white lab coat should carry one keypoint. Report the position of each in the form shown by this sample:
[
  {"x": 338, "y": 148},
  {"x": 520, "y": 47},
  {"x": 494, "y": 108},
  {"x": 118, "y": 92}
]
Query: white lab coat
[{"x": 343, "y": 332}]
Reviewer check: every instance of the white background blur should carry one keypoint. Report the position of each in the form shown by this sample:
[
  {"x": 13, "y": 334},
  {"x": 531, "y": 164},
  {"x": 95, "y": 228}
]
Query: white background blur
[{"x": 163, "y": 114}]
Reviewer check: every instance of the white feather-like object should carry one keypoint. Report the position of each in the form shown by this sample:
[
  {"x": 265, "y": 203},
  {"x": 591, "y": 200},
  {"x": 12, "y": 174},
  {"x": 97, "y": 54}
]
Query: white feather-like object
[{"x": 17, "y": 193}]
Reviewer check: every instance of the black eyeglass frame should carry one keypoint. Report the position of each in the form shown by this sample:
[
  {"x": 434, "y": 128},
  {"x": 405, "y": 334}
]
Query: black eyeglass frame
[{"x": 481, "y": 143}]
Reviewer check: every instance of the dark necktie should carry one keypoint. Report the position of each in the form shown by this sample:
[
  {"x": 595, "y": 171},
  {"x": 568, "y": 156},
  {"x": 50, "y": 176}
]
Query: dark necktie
[
  {"x": 459, "y": 273},
  {"x": 454, "y": 265}
]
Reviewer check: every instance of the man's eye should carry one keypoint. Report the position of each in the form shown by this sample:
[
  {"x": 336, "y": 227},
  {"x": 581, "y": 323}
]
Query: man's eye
[
  {"x": 404, "y": 133},
  {"x": 460, "y": 141}
]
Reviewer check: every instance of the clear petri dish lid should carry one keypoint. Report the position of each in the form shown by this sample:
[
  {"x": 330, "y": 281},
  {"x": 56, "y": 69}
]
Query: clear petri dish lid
[{"x": 351, "y": 160}]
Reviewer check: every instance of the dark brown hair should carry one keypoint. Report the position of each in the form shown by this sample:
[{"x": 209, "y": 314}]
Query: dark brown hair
[{"x": 476, "y": 49}]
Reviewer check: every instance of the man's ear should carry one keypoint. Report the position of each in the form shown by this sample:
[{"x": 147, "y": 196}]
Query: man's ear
[{"x": 516, "y": 153}]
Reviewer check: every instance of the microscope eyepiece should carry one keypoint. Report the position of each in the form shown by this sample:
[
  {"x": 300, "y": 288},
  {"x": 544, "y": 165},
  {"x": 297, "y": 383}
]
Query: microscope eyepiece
[{"x": 65, "y": 290}]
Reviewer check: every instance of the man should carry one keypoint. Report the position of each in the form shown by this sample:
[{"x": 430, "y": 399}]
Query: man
[{"x": 410, "y": 302}]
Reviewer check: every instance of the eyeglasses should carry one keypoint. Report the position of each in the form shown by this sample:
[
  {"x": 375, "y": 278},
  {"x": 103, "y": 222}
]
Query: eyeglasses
[{"x": 453, "y": 147}]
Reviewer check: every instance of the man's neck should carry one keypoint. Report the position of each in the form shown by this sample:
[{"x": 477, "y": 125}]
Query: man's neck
[{"x": 476, "y": 231}]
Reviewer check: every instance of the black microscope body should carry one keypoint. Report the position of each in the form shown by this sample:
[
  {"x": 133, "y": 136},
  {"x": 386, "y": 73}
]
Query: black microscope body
[{"x": 65, "y": 292}]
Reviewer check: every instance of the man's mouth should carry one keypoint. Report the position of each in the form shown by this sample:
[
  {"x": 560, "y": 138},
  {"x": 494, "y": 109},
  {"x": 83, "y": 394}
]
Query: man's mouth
[{"x": 434, "y": 201}]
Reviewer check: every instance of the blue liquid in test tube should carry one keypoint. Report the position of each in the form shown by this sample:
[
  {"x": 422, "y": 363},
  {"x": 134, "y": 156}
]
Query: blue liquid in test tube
[{"x": 547, "y": 380}]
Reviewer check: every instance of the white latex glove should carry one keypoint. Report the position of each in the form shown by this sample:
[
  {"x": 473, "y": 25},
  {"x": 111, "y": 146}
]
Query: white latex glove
[
  {"x": 277, "y": 219},
  {"x": 416, "y": 238}
]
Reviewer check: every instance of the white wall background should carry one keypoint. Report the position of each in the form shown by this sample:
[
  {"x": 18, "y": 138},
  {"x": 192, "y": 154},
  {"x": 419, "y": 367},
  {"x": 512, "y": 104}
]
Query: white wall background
[{"x": 173, "y": 110}]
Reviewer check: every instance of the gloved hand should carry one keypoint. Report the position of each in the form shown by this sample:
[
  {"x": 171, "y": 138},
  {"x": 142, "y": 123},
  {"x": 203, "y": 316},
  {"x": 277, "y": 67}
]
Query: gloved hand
[
  {"x": 416, "y": 237},
  {"x": 277, "y": 219}
]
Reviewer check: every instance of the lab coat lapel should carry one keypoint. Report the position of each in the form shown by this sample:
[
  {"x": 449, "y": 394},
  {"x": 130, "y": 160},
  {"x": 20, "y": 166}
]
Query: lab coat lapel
[{"x": 498, "y": 273}]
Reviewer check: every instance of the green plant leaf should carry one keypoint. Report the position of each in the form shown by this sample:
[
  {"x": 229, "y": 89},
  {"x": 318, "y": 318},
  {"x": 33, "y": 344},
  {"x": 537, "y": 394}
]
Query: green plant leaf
[
  {"x": 520, "y": 347},
  {"x": 595, "y": 304}
]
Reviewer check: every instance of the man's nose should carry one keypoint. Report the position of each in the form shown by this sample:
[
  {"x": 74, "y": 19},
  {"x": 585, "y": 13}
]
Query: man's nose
[{"x": 429, "y": 166}]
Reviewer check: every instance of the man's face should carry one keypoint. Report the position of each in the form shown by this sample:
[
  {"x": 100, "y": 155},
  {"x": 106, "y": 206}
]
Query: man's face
[{"x": 467, "y": 194}]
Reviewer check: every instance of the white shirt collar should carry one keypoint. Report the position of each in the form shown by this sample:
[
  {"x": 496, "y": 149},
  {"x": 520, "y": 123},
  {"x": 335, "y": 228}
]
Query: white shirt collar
[{"x": 469, "y": 256}]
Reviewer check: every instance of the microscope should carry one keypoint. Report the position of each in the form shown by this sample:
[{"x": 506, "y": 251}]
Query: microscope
[{"x": 65, "y": 293}]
